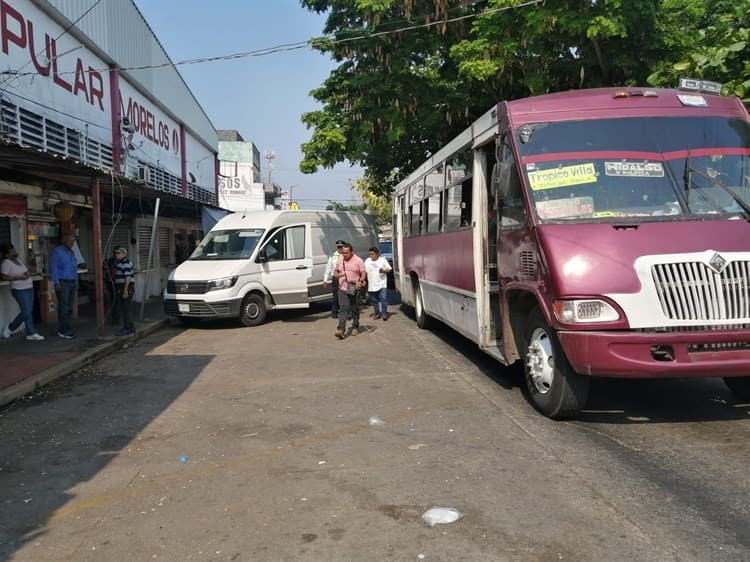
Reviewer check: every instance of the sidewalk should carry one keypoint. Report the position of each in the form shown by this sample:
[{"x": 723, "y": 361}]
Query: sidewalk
[{"x": 27, "y": 365}]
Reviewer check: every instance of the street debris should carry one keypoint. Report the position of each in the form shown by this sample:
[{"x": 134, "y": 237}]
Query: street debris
[
  {"x": 184, "y": 458},
  {"x": 375, "y": 420},
  {"x": 440, "y": 515}
]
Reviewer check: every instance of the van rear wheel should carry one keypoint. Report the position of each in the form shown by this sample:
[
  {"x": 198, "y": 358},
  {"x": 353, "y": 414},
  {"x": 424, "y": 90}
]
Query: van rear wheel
[
  {"x": 740, "y": 386},
  {"x": 253, "y": 311},
  {"x": 551, "y": 384}
]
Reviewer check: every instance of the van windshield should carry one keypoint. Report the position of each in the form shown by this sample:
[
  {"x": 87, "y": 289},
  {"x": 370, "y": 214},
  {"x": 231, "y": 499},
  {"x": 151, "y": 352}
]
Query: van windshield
[
  {"x": 609, "y": 169},
  {"x": 228, "y": 244}
]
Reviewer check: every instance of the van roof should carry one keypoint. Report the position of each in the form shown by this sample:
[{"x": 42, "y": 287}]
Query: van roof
[{"x": 267, "y": 219}]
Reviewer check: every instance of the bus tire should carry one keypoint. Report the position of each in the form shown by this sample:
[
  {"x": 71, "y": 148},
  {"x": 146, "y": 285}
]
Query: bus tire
[
  {"x": 423, "y": 321},
  {"x": 740, "y": 386},
  {"x": 253, "y": 310},
  {"x": 550, "y": 383}
]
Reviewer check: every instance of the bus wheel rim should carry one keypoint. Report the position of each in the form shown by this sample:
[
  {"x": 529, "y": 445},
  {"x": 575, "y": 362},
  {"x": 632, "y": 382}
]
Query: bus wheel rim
[{"x": 540, "y": 362}]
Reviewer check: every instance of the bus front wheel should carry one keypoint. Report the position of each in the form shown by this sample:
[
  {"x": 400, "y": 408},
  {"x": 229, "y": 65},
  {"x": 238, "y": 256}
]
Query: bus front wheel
[
  {"x": 419, "y": 312},
  {"x": 740, "y": 386},
  {"x": 551, "y": 384},
  {"x": 253, "y": 311}
]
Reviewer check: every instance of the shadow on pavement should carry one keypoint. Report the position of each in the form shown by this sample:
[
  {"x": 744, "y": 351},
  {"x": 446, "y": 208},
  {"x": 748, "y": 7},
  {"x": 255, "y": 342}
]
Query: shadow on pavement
[{"x": 61, "y": 436}]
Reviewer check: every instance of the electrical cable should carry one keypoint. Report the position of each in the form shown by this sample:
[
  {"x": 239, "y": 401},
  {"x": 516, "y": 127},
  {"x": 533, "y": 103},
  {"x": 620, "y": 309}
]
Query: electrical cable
[{"x": 301, "y": 44}]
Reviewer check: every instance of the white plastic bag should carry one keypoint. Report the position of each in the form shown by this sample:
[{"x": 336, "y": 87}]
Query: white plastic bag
[{"x": 440, "y": 515}]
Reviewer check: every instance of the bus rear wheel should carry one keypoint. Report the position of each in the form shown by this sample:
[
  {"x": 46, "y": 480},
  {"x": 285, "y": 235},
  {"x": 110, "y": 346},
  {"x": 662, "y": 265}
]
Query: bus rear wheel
[
  {"x": 253, "y": 311},
  {"x": 551, "y": 384},
  {"x": 423, "y": 321},
  {"x": 740, "y": 386}
]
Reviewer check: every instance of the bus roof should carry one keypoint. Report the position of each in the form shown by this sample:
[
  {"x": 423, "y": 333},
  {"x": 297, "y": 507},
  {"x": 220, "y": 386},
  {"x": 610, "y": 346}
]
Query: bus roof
[{"x": 620, "y": 102}]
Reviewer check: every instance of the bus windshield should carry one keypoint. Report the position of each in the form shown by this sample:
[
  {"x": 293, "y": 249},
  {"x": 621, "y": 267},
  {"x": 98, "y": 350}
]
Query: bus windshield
[
  {"x": 228, "y": 244},
  {"x": 655, "y": 168}
]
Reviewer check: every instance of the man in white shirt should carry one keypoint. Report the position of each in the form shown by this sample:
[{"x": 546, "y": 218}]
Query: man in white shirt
[{"x": 377, "y": 268}]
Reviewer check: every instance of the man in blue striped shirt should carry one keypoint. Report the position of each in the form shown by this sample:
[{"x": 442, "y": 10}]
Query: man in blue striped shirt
[
  {"x": 124, "y": 290},
  {"x": 63, "y": 271}
]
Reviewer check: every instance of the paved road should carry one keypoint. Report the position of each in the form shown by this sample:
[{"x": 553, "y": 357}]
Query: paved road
[{"x": 227, "y": 443}]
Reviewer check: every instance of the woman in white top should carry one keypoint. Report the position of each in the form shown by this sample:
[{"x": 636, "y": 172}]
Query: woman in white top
[{"x": 22, "y": 288}]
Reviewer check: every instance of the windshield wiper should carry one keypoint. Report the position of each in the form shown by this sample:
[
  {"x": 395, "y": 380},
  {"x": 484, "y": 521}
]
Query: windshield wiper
[{"x": 687, "y": 177}]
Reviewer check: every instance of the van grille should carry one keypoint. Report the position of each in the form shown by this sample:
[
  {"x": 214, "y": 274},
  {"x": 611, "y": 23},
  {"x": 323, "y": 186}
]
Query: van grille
[
  {"x": 186, "y": 287},
  {"x": 693, "y": 291},
  {"x": 197, "y": 308}
]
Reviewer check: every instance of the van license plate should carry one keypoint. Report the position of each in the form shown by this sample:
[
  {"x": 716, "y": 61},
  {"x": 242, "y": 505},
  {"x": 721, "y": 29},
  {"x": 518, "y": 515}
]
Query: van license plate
[{"x": 183, "y": 308}]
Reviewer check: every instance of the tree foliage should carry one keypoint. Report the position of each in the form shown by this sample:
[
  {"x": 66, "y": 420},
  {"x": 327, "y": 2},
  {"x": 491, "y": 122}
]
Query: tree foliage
[
  {"x": 412, "y": 74},
  {"x": 715, "y": 45}
]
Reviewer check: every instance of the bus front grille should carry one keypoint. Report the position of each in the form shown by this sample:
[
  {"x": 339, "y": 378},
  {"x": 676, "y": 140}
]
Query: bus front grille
[{"x": 693, "y": 291}]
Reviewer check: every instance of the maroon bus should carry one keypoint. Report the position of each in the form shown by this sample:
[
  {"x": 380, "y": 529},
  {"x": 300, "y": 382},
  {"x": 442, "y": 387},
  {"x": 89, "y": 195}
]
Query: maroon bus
[{"x": 601, "y": 232}]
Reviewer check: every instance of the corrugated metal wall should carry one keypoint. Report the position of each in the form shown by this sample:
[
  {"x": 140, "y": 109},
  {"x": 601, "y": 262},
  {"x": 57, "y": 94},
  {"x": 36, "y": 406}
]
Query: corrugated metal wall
[{"x": 121, "y": 33}]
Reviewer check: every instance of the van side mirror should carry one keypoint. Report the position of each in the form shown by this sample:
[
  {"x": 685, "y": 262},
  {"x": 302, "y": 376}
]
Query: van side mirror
[{"x": 262, "y": 257}]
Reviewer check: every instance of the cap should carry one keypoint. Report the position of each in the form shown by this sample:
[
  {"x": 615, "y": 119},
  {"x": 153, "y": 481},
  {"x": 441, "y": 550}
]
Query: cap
[
  {"x": 340, "y": 243},
  {"x": 120, "y": 250}
]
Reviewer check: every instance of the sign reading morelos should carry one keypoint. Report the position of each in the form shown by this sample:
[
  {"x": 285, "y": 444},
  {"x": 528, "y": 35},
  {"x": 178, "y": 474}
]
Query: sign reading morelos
[{"x": 146, "y": 122}]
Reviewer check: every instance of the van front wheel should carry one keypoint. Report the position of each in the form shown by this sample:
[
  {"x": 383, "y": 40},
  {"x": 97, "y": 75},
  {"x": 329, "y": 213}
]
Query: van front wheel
[
  {"x": 552, "y": 386},
  {"x": 253, "y": 311}
]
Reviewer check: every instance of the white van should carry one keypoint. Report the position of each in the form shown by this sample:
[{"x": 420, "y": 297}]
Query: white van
[{"x": 250, "y": 263}]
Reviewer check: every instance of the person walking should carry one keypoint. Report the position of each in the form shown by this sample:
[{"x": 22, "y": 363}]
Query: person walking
[
  {"x": 124, "y": 290},
  {"x": 352, "y": 278},
  {"x": 328, "y": 276},
  {"x": 63, "y": 271},
  {"x": 22, "y": 288},
  {"x": 377, "y": 268}
]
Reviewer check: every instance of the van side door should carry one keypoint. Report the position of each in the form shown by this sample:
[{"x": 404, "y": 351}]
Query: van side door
[{"x": 286, "y": 265}]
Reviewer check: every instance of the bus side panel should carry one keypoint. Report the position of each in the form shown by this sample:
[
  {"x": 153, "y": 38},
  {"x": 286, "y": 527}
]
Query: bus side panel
[{"x": 446, "y": 259}]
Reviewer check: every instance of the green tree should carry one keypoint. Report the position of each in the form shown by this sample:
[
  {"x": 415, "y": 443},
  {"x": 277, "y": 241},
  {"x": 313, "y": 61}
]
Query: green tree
[
  {"x": 714, "y": 41},
  {"x": 394, "y": 98}
]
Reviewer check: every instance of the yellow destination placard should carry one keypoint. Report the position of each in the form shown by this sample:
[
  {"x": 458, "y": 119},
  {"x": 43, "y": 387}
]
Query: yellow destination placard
[{"x": 562, "y": 177}]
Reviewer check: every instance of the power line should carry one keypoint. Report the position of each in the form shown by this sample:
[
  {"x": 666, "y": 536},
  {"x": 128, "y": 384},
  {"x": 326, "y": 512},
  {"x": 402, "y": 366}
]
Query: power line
[{"x": 300, "y": 44}]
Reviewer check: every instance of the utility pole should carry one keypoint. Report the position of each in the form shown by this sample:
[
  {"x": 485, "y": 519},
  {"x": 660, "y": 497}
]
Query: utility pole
[{"x": 269, "y": 155}]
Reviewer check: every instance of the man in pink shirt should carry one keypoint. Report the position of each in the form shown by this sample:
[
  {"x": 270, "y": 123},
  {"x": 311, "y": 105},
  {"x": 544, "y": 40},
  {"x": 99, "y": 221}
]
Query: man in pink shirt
[{"x": 352, "y": 278}]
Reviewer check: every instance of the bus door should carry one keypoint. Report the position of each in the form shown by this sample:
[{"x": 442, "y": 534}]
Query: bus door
[
  {"x": 286, "y": 265},
  {"x": 516, "y": 257}
]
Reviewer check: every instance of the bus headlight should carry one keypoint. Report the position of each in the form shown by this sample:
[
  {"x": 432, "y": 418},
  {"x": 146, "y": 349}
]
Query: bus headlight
[
  {"x": 223, "y": 283},
  {"x": 583, "y": 311}
]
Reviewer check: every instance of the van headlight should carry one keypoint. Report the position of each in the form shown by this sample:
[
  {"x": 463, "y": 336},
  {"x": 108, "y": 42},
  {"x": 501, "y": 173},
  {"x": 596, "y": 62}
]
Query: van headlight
[
  {"x": 223, "y": 283},
  {"x": 583, "y": 311}
]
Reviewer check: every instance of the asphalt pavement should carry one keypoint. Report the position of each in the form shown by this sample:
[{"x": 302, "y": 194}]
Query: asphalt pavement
[{"x": 281, "y": 442}]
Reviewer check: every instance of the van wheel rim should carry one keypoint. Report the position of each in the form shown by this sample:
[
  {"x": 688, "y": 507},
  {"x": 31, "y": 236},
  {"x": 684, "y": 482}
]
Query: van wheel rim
[
  {"x": 540, "y": 362},
  {"x": 251, "y": 310}
]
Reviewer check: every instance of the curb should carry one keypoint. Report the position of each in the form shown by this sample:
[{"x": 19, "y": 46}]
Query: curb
[{"x": 88, "y": 357}]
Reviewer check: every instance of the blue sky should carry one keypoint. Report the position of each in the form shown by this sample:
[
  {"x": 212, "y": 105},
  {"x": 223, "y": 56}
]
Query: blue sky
[{"x": 262, "y": 97}]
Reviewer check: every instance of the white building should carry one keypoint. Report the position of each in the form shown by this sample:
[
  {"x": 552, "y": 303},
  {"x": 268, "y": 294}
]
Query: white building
[{"x": 95, "y": 120}]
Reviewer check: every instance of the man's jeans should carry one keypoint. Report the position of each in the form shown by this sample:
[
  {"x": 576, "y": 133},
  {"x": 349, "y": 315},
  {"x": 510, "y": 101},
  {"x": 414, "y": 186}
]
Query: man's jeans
[
  {"x": 379, "y": 300},
  {"x": 65, "y": 299}
]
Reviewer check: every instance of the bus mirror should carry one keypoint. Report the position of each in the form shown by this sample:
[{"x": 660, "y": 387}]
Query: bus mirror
[{"x": 501, "y": 182}]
